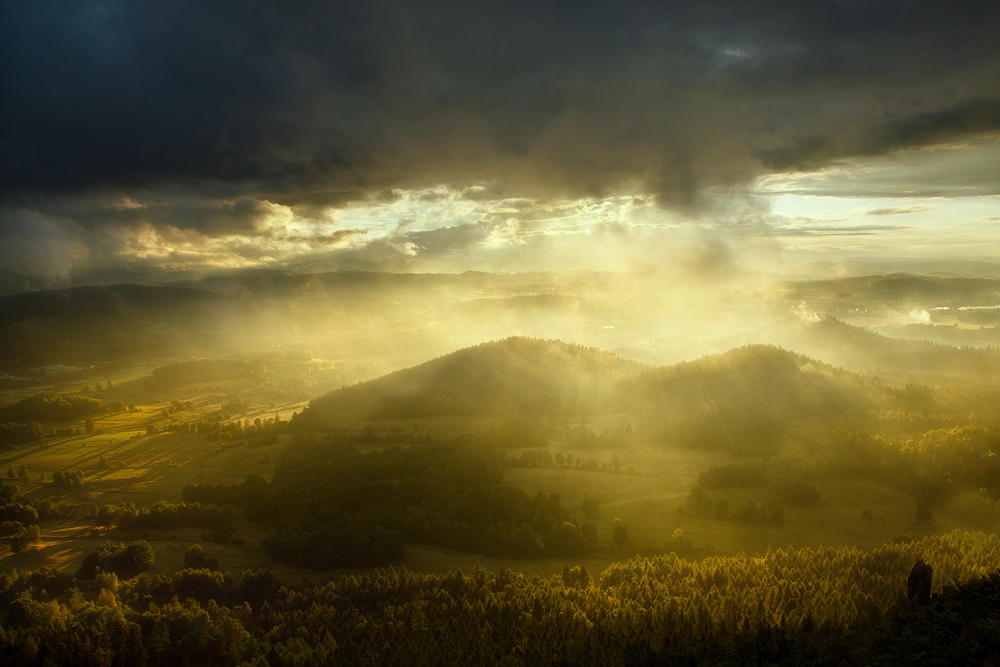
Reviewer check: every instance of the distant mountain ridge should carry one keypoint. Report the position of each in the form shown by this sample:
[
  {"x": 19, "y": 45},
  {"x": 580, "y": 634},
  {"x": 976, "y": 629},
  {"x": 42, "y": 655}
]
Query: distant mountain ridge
[
  {"x": 86, "y": 325},
  {"x": 408, "y": 317},
  {"x": 101, "y": 301},
  {"x": 901, "y": 288},
  {"x": 860, "y": 350}
]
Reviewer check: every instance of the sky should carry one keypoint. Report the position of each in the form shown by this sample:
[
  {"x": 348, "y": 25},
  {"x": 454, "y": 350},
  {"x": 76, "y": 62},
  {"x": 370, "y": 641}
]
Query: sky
[{"x": 175, "y": 139}]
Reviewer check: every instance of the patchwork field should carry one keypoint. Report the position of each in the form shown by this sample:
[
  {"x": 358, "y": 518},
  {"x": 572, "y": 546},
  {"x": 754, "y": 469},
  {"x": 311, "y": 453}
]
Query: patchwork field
[{"x": 646, "y": 491}]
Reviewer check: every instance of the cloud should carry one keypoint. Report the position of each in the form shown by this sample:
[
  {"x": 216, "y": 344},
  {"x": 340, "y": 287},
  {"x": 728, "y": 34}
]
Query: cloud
[
  {"x": 969, "y": 168},
  {"x": 433, "y": 197},
  {"x": 835, "y": 230},
  {"x": 39, "y": 247},
  {"x": 332, "y": 238},
  {"x": 209, "y": 216},
  {"x": 884, "y": 136},
  {"x": 444, "y": 239},
  {"x": 317, "y": 104},
  {"x": 898, "y": 210},
  {"x": 227, "y": 134}
]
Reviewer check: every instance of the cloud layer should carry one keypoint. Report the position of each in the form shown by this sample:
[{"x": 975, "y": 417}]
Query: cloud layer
[{"x": 219, "y": 121}]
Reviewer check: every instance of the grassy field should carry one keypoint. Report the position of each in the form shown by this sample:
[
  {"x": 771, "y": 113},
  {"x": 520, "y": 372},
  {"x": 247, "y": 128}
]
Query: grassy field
[
  {"x": 122, "y": 463},
  {"x": 144, "y": 469}
]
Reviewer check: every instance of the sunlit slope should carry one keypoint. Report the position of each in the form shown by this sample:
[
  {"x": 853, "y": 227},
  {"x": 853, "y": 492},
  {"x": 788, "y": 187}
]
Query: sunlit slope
[
  {"x": 519, "y": 376},
  {"x": 744, "y": 399},
  {"x": 749, "y": 399}
]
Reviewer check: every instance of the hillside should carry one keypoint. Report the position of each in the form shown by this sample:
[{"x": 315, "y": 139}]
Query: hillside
[
  {"x": 748, "y": 398},
  {"x": 511, "y": 376},
  {"x": 857, "y": 348}
]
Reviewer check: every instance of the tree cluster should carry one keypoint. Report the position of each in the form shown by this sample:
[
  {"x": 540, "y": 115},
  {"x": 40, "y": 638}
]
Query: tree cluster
[
  {"x": 20, "y": 433},
  {"x": 333, "y": 506},
  {"x": 542, "y": 458},
  {"x": 75, "y": 478},
  {"x": 56, "y": 408},
  {"x": 164, "y": 515},
  {"x": 700, "y": 503},
  {"x": 119, "y": 558}
]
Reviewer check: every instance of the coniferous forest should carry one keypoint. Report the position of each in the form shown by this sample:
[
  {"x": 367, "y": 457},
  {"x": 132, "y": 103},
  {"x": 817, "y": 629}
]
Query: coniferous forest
[{"x": 822, "y": 607}]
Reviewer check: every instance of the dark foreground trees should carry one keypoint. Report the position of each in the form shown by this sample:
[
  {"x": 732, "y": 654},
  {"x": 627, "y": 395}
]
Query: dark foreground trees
[{"x": 801, "y": 607}]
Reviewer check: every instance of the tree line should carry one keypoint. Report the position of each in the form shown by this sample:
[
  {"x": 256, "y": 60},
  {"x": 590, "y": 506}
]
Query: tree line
[{"x": 56, "y": 408}]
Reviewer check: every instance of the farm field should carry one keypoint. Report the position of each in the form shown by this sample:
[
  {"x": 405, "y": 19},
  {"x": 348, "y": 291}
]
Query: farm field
[{"x": 645, "y": 493}]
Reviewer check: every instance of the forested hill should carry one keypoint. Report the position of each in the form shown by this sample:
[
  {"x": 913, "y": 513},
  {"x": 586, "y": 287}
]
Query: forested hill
[
  {"x": 748, "y": 398},
  {"x": 500, "y": 378},
  {"x": 749, "y": 394}
]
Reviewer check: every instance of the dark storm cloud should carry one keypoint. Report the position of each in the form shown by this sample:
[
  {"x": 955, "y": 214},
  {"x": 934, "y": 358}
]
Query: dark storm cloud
[
  {"x": 317, "y": 104},
  {"x": 969, "y": 168},
  {"x": 245, "y": 216},
  {"x": 879, "y": 136}
]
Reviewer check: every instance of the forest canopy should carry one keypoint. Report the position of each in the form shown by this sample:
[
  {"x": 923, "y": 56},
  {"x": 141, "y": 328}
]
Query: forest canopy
[
  {"x": 787, "y": 608},
  {"x": 332, "y": 505}
]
